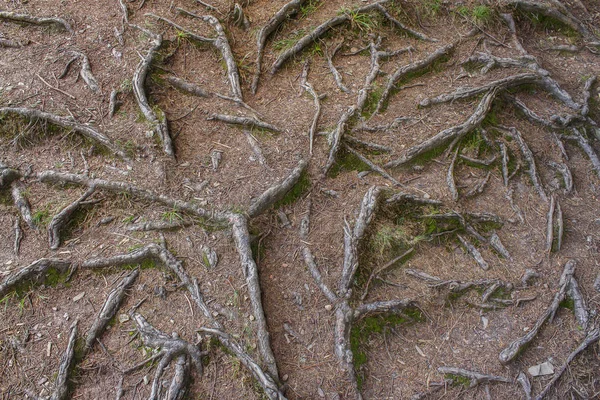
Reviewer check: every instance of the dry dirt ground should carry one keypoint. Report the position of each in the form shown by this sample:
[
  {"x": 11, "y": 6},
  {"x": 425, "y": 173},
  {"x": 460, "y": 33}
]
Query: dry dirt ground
[{"x": 390, "y": 352}]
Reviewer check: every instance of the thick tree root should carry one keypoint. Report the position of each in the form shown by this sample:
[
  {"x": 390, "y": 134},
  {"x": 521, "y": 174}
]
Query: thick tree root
[
  {"x": 449, "y": 134},
  {"x": 450, "y": 177},
  {"x": 187, "y": 87},
  {"x": 518, "y": 345},
  {"x": 181, "y": 379},
  {"x": 170, "y": 348},
  {"x": 244, "y": 121},
  {"x": 497, "y": 245},
  {"x": 158, "y": 122},
  {"x": 35, "y": 271},
  {"x": 476, "y": 378},
  {"x": 565, "y": 172},
  {"x": 84, "y": 130},
  {"x": 109, "y": 310},
  {"x": 61, "y": 384},
  {"x": 86, "y": 72},
  {"x": 525, "y": 384},
  {"x": 7, "y": 175},
  {"x": 402, "y": 72},
  {"x": 158, "y": 226},
  {"x": 222, "y": 44},
  {"x": 532, "y": 169},
  {"x": 591, "y": 338},
  {"x": 276, "y": 192},
  {"x": 472, "y": 250},
  {"x": 28, "y": 19},
  {"x": 271, "y": 26},
  {"x": 22, "y": 204},
  {"x": 61, "y": 219},
  {"x": 579, "y": 307}
]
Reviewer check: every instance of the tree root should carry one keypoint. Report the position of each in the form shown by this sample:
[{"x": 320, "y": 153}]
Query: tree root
[
  {"x": 313, "y": 126},
  {"x": 591, "y": 338},
  {"x": 158, "y": 226},
  {"x": 62, "y": 218},
  {"x": 585, "y": 145},
  {"x": 86, "y": 72},
  {"x": 497, "y": 245},
  {"x": 22, "y": 204},
  {"x": 518, "y": 345},
  {"x": 478, "y": 189},
  {"x": 61, "y": 384},
  {"x": 455, "y": 286},
  {"x": 402, "y": 72},
  {"x": 399, "y": 25},
  {"x": 374, "y": 167},
  {"x": 180, "y": 381},
  {"x": 271, "y": 26},
  {"x": 525, "y": 384},
  {"x": 579, "y": 307},
  {"x": 449, "y": 134},
  {"x": 109, "y": 309},
  {"x": 565, "y": 172},
  {"x": 532, "y": 170},
  {"x": 222, "y": 44},
  {"x": 450, "y": 177},
  {"x": 7, "y": 175},
  {"x": 476, "y": 378},
  {"x": 158, "y": 122},
  {"x": 336, "y": 74},
  {"x": 14, "y": 17},
  {"x": 34, "y": 271},
  {"x": 244, "y": 121},
  {"x": 13, "y": 43},
  {"x": 18, "y": 236},
  {"x": 367, "y": 145},
  {"x": 84, "y": 130},
  {"x": 550, "y": 225},
  {"x": 170, "y": 348},
  {"x": 472, "y": 250},
  {"x": 187, "y": 87}
]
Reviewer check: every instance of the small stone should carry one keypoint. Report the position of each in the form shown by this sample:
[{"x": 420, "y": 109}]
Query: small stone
[
  {"x": 146, "y": 379},
  {"x": 328, "y": 307},
  {"x": 49, "y": 349},
  {"x": 544, "y": 368},
  {"x": 123, "y": 318},
  {"x": 485, "y": 322},
  {"x": 66, "y": 316},
  {"x": 285, "y": 377},
  {"x": 79, "y": 297},
  {"x": 320, "y": 392},
  {"x": 251, "y": 318}
]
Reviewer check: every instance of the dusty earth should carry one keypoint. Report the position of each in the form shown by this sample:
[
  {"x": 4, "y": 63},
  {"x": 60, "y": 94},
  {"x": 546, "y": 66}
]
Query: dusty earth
[{"x": 396, "y": 355}]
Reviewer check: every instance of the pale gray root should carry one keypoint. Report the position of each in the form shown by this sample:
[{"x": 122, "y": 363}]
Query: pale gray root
[
  {"x": 60, "y": 220},
  {"x": 247, "y": 122},
  {"x": 352, "y": 238},
  {"x": 587, "y": 95},
  {"x": 337, "y": 77},
  {"x": 466, "y": 93},
  {"x": 316, "y": 34},
  {"x": 532, "y": 169},
  {"x": 158, "y": 226},
  {"x": 18, "y": 236},
  {"x": 497, "y": 245},
  {"x": 277, "y": 191},
  {"x": 158, "y": 122},
  {"x": 215, "y": 159},
  {"x": 513, "y": 349},
  {"x": 13, "y": 43},
  {"x": 481, "y": 163},
  {"x": 450, "y": 177},
  {"x": 35, "y": 272},
  {"x": 550, "y": 224},
  {"x": 380, "y": 270},
  {"x": 271, "y": 26},
  {"x": 473, "y": 252},
  {"x": 29, "y": 19},
  {"x": 344, "y": 317},
  {"x": 123, "y": 187},
  {"x": 590, "y": 339},
  {"x": 560, "y": 229},
  {"x": 186, "y": 87},
  {"x": 109, "y": 310},
  {"x": 579, "y": 307},
  {"x": 7, "y": 175},
  {"x": 504, "y": 152},
  {"x": 478, "y": 189},
  {"x": 374, "y": 167},
  {"x": 113, "y": 103},
  {"x": 239, "y": 225},
  {"x": 382, "y": 307},
  {"x": 449, "y": 134},
  {"x": 67, "y": 360},
  {"x": 338, "y": 133},
  {"x": 409, "y": 69},
  {"x": 585, "y": 145},
  {"x": 67, "y": 123},
  {"x": 476, "y": 378},
  {"x": 395, "y": 124},
  {"x": 565, "y": 172},
  {"x": 255, "y": 146},
  {"x": 181, "y": 379},
  {"x": 529, "y": 114},
  {"x": 367, "y": 145},
  {"x": 22, "y": 204},
  {"x": 222, "y": 44},
  {"x": 86, "y": 72},
  {"x": 403, "y": 197},
  {"x": 455, "y": 286},
  {"x": 313, "y": 126},
  {"x": 508, "y": 19},
  {"x": 309, "y": 260},
  {"x": 525, "y": 384},
  {"x": 208, "y": 6},
  {"x": 399, "y": 25},
  {"x": 239, "y": 18}
]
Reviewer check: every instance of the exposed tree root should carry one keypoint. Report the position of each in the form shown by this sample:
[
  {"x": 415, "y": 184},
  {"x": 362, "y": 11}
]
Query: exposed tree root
[
  {"x": 472, "y": 250},
  {"x": 449, "y": 134},
  {"x": 367, "y": 145},
  {"x": 579, "y": 307},
  {"x": 374, "y": 167},
  {"x": 66, "y": 123},
  {"x": 532, "y": 169},
  {"x": 402, "y": 72},
  {"x": 585, "y": 145},
  {"x": 35, "y": 271},
  {"x": 550, "y": 225},
  {"x": 313, "y": 126},
  {"x": 450, "y": 177},
  {"x": 18, "y": 236},
  {"x": 158, "y": 226},
  {"x": 565, "y": 172},
  {"x": 401, "y": 197},
  {"x": 399, "y": 25},
  {"x": 518, "y": 345},
  {"x": 86, "y": 72},
  {"x": 22, "y": 204},
  {"x": 61, "y": 384},
  {"x": 29, "y": 19},
  {"x": 336, "y": 74},
  {"x": 222, "y": 44},
  {"x": 181, "y": 379},
  {"x": 478, "y": 189},
  {"x": 277, "y": 191},
  {"x": 497, "y": 245},
  {"x": 158, "y": 122},
  {"x": 187, "y": 87},
  {"x": 7, "y": 175},
  {"x": 591, "y": 338},
  {"x": 525, "y": 384},
  {"x": 109, "y": 310},
  {"x": 271, "y": 26},
  {"x": 455, "y": 286},
  {"x": 60, "y": 220},
  {"x": 244, "y": 121},
  {"x": 12, "y": 43},
  {"x": 476, "y": 378}
]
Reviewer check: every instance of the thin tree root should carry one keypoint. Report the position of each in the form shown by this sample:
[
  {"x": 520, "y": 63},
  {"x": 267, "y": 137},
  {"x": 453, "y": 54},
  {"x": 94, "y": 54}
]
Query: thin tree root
[
  {"x": 550, "y": 225},
  {"x": 186, "y": 87},
  {"x": 22, "y": 204},
  {"x": 399, "y": 25},
  {"x": 61, "y": 384},
  {"x": 476, "y": 378},
  {"x": 34, "y": 272},
  {"x": 18, "y": 236},
  {"x": 525, "y": 384},
  {"x": 14, "y": 17},
  {"x": 313, "y": 126},
  {"x": 478, "y": 189},
  {"x": 336, "y": 74},
  {"x": 450, "y": 177},
  {"x": 66, "y": 123},
  {"x": 255, "y": 146},
  {"x": 585, "y": 145},
  {"x": 86, "y": 72},
  {"x": 367, "y": 145},
  {"x": 374, "y": 167},
  {"x": 472, "y": 250},
  {"x": 564, "y": 170},
  {"x": 244, "y": 121},
  {"x": 497, "y": 245},
  {"x": 109, "y": 310},
  {"x": 60, "y": 220},
  {"x": 528, "y": 156}
]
